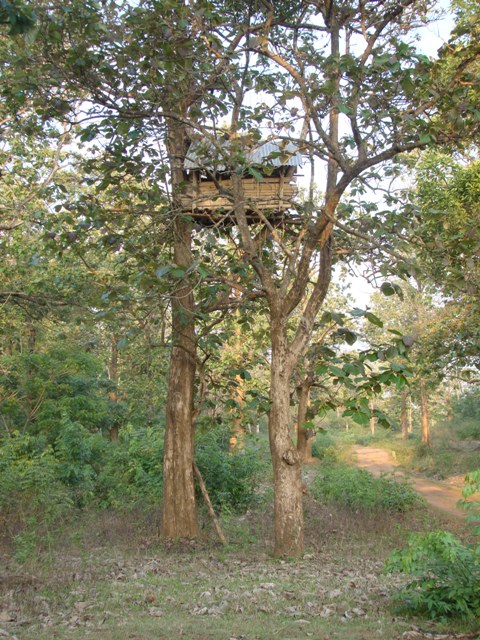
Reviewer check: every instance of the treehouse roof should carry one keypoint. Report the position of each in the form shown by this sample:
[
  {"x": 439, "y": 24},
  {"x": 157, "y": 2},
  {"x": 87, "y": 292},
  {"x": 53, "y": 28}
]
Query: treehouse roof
[{"x": 206, "y": 155}]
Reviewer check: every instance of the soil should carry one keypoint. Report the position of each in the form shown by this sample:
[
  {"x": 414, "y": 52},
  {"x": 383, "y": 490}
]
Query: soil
[{"x": 441, "y": 495}]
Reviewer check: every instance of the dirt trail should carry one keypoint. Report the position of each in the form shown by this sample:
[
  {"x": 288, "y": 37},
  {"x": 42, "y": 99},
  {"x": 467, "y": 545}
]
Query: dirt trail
[{"x": 438, "y": 494}]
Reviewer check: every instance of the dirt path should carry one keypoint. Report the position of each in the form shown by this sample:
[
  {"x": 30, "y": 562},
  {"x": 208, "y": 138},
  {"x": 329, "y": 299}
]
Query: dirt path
[{"x": 438, "y": 494}]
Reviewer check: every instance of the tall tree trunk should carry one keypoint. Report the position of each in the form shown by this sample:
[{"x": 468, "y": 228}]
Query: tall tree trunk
[
  {"x": 424, "y": 413},
  {"x": 286, "y": 459},
  {"x": 179, "y": 507},
  {"x": 409, "y": 413},
  {"x": 113, "y": 376},
  {"x": 304, "y": 436},
  {"x": 237, "y": 440},
  {"x": 373, "y": 420},
  {"x": 404, "y": 414}
]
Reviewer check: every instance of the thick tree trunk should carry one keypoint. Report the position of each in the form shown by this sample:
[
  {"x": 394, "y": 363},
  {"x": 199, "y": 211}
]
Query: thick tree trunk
[
  {"x": 304, "y": 436},
  {"x": 179, "y": 507},
  {"x": 285, "y": 457},
  {"x": 404, "y": 414},
  {"x": 424, "y": 413}
]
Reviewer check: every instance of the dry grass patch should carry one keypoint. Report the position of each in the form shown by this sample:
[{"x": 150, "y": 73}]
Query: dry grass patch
[{"x": 111, "y": 579}]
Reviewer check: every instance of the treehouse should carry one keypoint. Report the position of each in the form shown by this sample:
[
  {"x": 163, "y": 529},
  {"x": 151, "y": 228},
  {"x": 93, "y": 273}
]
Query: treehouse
[{"x": 268, "y": 179}]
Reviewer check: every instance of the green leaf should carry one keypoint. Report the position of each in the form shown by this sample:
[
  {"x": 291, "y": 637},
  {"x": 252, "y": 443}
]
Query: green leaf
[
  {"x": 357, "y": 313},
  {"x": 371, "y": 317},
  {"x": 350, "y": 337},
  {"x": 388, "y": 289},
  {"x": 336, "y": 371},
  {"x": 162, "y": 271},
  {"x": 255, "y": 173}
]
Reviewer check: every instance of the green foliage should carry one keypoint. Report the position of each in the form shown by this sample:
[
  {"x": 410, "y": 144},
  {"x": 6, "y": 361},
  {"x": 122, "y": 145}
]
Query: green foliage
[
  {"x": 446, "y": 576},
  {"x": 324, "y": 448},
  {"x": 42, "y": 389},
  {"x": 32, "y": 497},
  {"x": 472, "y": 490},
  {"x": 40, "y": 484},
  {"x": 133, "y": 471},
  {"x": 357, "y": 489},
  {"x": 468, "y": 406},
  {"x": 230, "y": 477},
  {"x": 468, "y": 429},
  {"x": 80, "y": 455},
  {"x": 18, "y": 16}
]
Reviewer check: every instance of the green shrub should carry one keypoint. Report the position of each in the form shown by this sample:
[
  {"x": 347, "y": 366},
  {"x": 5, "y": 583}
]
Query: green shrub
[
  {"x": 472, "y": 487},
  {"x": 230, "y": 477},
  {"x": 469, "y": 429},
  {"x": 133, "y": 470},
  {"x": 358, "y": 489},
  {"x": 33, "y": 500},
  {"x": 468, "y": 406},
  {"x": 80, "y": 455},
  {"x": 61, "y": 382},
  {"x": 323, "y": 447},
  {"x": 446, "y": 576}
]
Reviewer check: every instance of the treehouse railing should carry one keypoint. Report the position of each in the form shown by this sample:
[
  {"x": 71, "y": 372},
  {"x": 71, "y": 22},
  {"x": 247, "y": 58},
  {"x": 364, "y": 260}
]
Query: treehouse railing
[{"x": 271, "y": 193}]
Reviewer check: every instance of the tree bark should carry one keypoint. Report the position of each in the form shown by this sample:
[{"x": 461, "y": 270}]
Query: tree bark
[
  {"x": 113, "y": 376},
  {"x": 404, "y": 415},
  {"x": 288, "y": 502},
  {"x": 409, "y": 413},
  {"x": 424, "y": 413},
  {"x": 373, "y": 420},
  {"x": 304, "y": 436},
  {"x": 179, "y": 506}
]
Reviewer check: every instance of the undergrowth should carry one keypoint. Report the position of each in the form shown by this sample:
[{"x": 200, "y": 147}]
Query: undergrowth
[
  {"x": 446, "y": 576},
  {"x": 445, "y": 571},
  {"x": 357, "y": 489}
]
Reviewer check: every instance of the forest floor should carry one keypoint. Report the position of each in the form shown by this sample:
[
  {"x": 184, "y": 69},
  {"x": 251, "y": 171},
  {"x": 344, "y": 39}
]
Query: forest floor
[
  {"x": 109, "y": 577},
  {"x": 441, "y": 495}
]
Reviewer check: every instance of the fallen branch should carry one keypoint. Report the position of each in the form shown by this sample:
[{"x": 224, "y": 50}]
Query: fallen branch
[{"x": 208, "y": 502}]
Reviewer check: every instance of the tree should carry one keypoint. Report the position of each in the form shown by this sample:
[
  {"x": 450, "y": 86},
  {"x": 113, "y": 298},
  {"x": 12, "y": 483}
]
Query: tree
[
  {"x": 366, "y": 96},
  {"x": 350, "y": 77}
]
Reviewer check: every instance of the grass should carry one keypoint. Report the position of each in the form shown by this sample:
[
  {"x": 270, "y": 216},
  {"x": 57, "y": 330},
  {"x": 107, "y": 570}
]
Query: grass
[
  {"x": 109, "y": 579},
  {"x": 106, "y": 575}
]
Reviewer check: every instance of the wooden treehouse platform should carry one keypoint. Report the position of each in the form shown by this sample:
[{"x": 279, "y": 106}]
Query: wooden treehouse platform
[{"x": 208, "y": 187}]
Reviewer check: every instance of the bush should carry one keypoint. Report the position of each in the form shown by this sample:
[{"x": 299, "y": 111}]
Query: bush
[
  {"x": 469, "y": 430},
  {"x": 33, "y": 500},
  {"x": 61, "y": 382},
  {"x": 133, "y": 470},
  {"x": 323, "y": 447},
  {"x": 468, "y": 406},
  {"x": 80, "y": 456},
  {"x": 472, "y": 487},
  {"x": 358, "y": 489},
  {"x": 446, "y": 576},
  {"x": 230, "y": 477}
]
